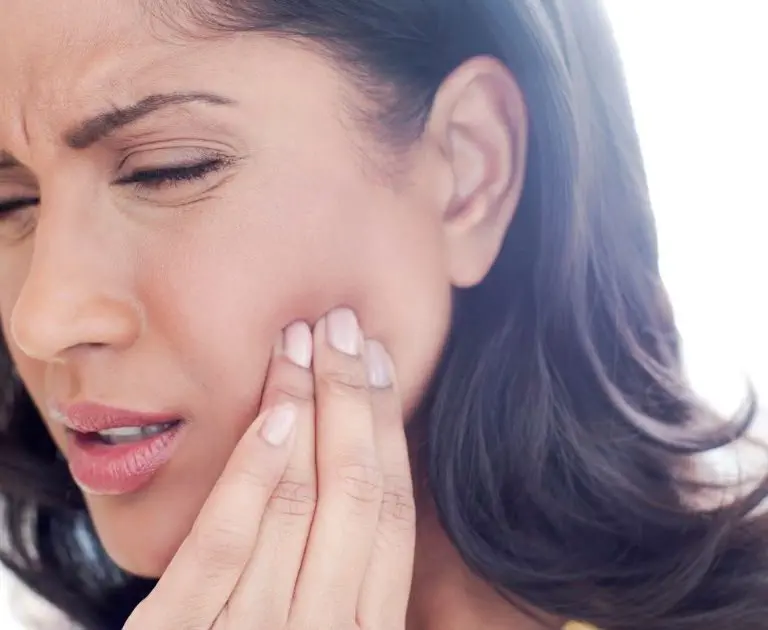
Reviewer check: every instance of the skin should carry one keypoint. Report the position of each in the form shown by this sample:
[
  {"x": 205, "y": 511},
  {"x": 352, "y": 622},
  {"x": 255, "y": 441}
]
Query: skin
[
  {"x": 171, "y": 298},
  {"x": 352, "y": 548}
]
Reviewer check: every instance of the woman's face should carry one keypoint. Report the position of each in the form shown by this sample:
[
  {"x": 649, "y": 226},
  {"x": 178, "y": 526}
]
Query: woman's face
[{"x": 167, "y": 296}]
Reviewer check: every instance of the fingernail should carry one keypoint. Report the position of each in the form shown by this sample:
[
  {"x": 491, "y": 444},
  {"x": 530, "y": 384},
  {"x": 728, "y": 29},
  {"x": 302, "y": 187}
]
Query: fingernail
[
  {"x": 278, "y": 425},
  {"x": 297, "y": 344},
  {"x": 378, "y": 365},
  {"x": 343, "y": 331}
]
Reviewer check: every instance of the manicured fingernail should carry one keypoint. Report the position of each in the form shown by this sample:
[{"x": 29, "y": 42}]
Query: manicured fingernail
[
  {"x": 278, "y": 425},
  {"x": 343, "y": 331},
  {"x": 297, "y": 344},
  {"x": 378, "y": 365}
]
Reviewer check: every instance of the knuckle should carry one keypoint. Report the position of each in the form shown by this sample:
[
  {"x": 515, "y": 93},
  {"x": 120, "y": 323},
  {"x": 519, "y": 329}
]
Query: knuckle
[
  {"x": 291, "y": 389},
  {"x": 294, "y": 497},
  {"x": 221, "y": 547},
  {"x": 249, "y": 476},
  {"x": 398, "y": 506},
  {"x": 362, "y": 483},
  {"x": 350, "y": 384}
]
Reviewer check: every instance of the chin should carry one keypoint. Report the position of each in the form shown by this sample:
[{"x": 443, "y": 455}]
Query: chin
[
  {"x": 141, "y": 534},
  {"x": 142, "y": 531},
  {"x": 141, "y": 553},
  {"x": 142, "y": 561},
  {"x": 149, "y": 568}
]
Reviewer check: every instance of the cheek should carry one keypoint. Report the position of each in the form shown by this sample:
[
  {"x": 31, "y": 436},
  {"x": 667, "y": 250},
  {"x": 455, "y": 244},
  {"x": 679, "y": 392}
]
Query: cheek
[
  {"x": 284, "y": 253},
  {"x": 219, "y": 290}
]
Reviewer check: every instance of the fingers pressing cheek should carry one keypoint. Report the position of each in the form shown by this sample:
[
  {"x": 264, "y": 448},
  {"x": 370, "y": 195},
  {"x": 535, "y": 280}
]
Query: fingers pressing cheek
[
  {"x": 312, "y": 522},
  {"x": 354, "y": 392}
]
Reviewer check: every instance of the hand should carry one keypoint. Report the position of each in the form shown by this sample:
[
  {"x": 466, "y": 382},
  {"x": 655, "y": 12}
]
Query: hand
[{"x": 312, "y": 523}]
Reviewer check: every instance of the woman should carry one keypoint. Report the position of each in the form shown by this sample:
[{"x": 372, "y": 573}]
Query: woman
[{"x": 341, "y": 218}]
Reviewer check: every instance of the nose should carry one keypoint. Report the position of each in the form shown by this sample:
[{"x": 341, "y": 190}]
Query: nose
[{"x": 72, "y": 296}]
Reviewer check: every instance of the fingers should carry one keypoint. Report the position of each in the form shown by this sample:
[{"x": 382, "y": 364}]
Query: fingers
[
  {"x": 383, "y": 599},
  {"x": 351, "y": 479},
  {"x": 264, "y": 552},
  {"x": 199, "y": 580},
  {"x": 264, "y": 593}
]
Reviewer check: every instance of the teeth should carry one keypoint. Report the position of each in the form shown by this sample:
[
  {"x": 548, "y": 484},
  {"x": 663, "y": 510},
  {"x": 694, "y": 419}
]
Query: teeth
[{"x": 126, "y": 435}]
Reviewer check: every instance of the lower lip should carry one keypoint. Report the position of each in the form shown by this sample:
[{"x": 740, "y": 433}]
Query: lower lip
[{"x": 106, "y": 469}]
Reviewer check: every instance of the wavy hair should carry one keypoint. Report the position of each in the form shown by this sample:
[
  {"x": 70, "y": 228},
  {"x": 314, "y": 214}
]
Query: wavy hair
[{"x": 559, "y": 436}]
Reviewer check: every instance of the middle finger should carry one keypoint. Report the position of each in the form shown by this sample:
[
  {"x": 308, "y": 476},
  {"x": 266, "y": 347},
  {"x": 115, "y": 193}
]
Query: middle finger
[{"x": 349, "y": 479}]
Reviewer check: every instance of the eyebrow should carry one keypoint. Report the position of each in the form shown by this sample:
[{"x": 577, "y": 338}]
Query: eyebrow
[{"x": 102, "y": 125}]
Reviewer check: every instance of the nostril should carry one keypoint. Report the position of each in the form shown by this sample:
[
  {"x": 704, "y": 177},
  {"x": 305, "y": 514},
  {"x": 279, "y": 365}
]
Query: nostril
[{"x": 79, "y": 317}]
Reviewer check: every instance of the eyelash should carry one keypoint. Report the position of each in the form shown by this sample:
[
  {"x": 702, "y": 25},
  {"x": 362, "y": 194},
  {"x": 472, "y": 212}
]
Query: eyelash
[
  {"x": 156, "y": 178},
  {"x": 151, "y": 179},
  {"x": 14, "y": 205}
]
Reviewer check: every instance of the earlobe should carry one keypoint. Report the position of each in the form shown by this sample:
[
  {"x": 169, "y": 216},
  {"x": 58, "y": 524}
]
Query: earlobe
[{"x": 479, "y": 121}]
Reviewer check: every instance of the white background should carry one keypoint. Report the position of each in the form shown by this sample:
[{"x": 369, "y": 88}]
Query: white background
[{"x": 698, "y": 75}]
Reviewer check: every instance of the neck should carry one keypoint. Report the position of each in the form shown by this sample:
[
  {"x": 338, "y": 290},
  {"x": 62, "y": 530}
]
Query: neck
[{"x": 445, "y": 595}]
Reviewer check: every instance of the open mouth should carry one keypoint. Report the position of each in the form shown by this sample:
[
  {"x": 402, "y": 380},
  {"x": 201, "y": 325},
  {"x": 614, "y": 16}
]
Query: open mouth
[
  {"x": 127, "y": 435},
  {"x": 113, "y": 451}
]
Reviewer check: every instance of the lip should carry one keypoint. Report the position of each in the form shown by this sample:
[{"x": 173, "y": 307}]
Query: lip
[
  {"x": 88, "y": 417},
  {"x": 115, "y": 469}
]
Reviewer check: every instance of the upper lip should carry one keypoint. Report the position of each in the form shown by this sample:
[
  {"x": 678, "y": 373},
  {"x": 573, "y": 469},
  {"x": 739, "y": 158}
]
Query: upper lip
[{"x": 89, "y": 417}]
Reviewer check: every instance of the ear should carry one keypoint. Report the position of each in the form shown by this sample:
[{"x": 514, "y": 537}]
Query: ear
[{"x": 479, "y": 124}]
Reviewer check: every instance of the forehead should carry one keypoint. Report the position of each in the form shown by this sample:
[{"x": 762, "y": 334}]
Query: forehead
[
  {"x": 58, "y": 60},
  {"x": 41, "y": 39}
]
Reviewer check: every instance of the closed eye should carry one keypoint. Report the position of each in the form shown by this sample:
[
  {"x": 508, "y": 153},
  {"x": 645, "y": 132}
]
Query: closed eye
[
  {"x": 157, "y": 178},
  {"x": 10, "y": 206}
]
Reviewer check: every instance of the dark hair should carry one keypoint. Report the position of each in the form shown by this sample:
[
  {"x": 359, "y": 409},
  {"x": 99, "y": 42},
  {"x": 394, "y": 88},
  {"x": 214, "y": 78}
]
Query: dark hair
[{"x": 559, "y": 432}]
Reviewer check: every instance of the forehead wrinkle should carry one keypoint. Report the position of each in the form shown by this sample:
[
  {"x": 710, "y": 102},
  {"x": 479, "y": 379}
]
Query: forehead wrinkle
[
  {"x": 72, "y": 48},
  {"x": 60, "y": 71}
]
